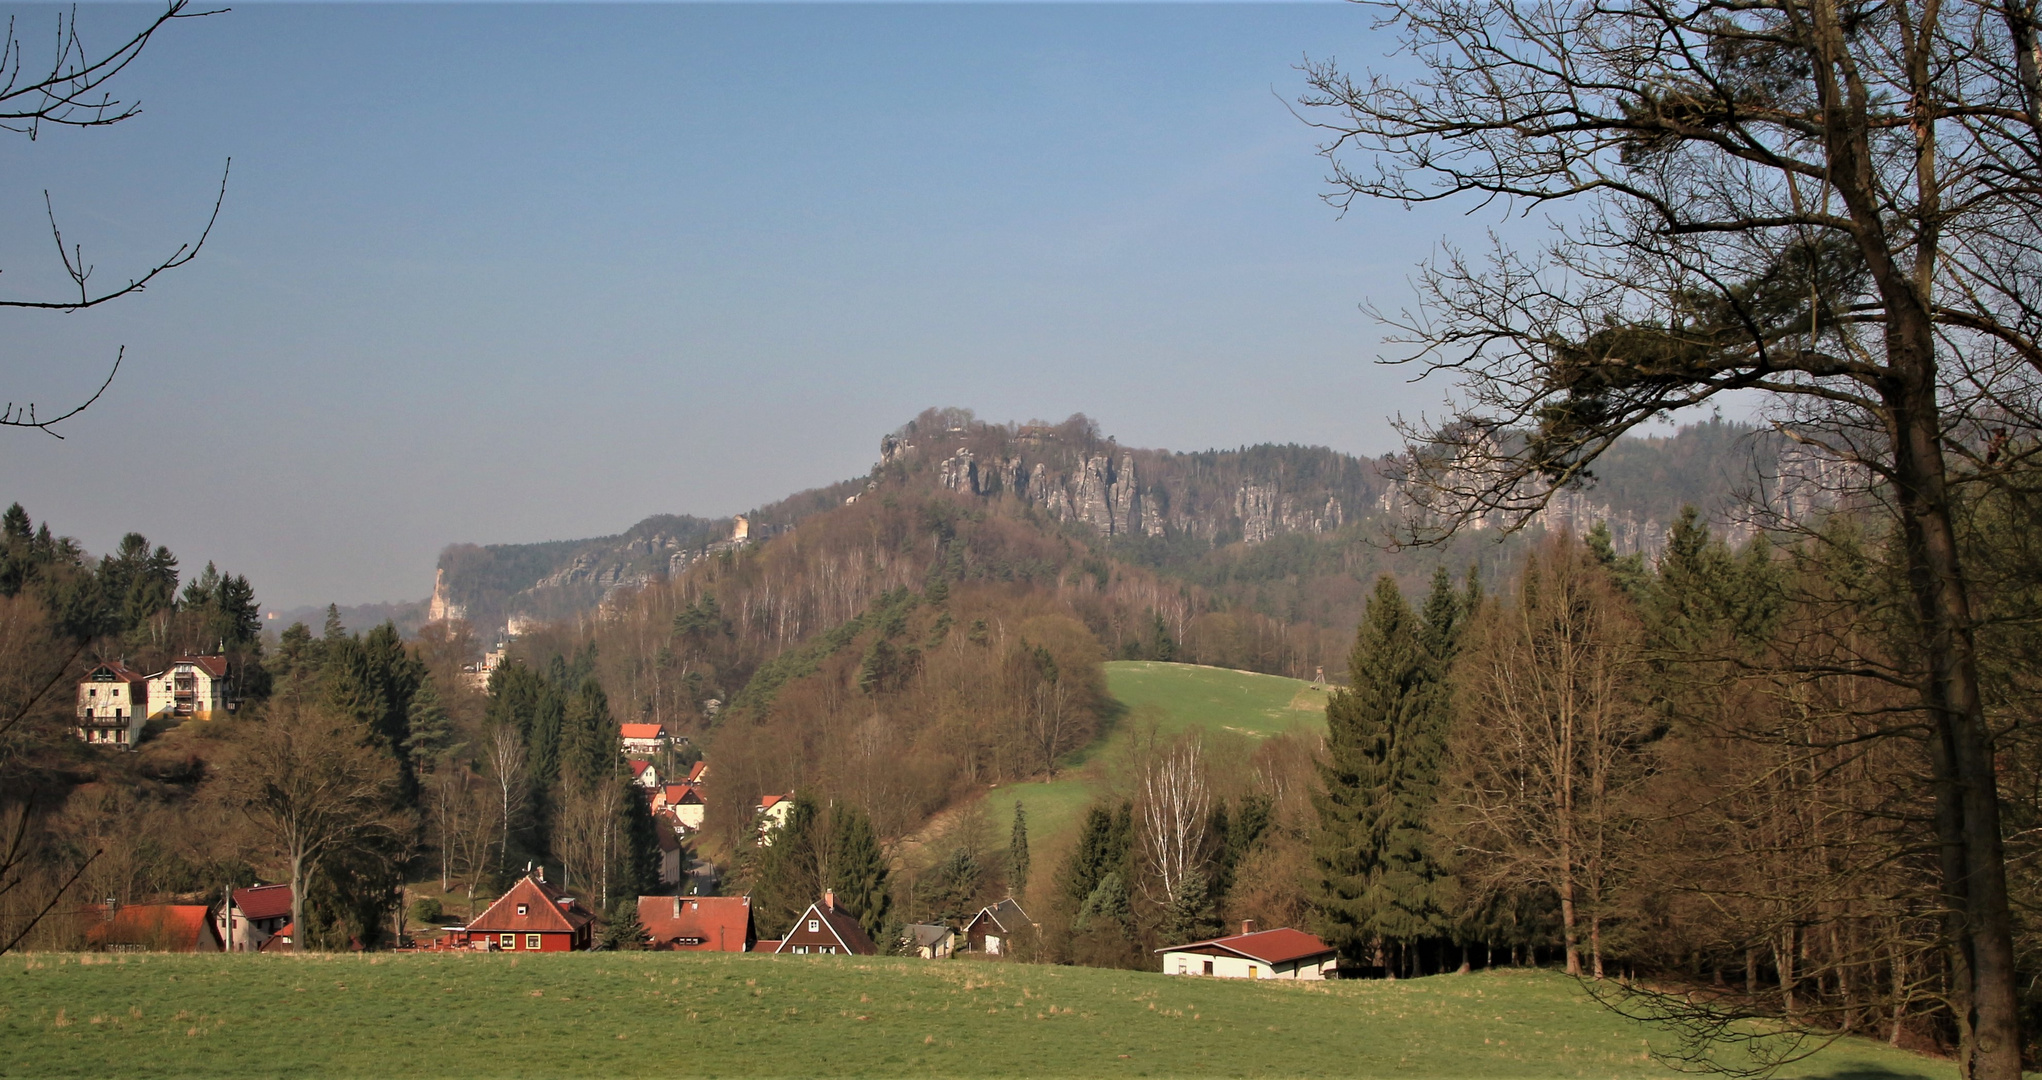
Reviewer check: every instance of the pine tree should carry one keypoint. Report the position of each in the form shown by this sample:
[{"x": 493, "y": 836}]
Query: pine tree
[
  {"x": 859, "y": 869},
  {"x": 431, "y": 730},
  {"x": 1017, "y": 853},
  {"x": 1192, "y": 916},
  {"x": 622, "y": 931},
  {"x": 1384, "y": 750},
  {"x": 334, "y": 631}
]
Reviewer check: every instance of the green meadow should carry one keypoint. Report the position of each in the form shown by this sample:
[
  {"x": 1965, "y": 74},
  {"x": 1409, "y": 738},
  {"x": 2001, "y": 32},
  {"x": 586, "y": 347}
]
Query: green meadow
[
  {"x": 673, "y": 1014},
  {"x": 1172, "y": 697}
]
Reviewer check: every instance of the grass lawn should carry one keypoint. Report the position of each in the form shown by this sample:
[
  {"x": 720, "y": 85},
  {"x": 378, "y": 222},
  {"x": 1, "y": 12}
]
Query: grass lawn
[
  {"x": 1175, "y": 697},
  {"x": 611, "y": 1015}
]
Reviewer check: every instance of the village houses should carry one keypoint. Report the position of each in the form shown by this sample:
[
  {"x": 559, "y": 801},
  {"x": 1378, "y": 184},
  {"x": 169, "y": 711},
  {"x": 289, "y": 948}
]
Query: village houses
[
  {"x": 532, "y": 916},
  {"x": 698, "y": 923},
  {"x": 994, "y": 928},
  {"x": 115, "y": 701}
]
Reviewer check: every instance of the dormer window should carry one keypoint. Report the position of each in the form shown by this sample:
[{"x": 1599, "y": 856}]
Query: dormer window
[{"x": 522, "y": 908}]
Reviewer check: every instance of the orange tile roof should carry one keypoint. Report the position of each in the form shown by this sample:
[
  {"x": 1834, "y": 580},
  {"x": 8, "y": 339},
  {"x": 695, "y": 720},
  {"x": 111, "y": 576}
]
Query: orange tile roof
[
  {"x": 644, "y": 731},
  {"x": 165, "y": 927},
  {"x": 714, "y": 923}
]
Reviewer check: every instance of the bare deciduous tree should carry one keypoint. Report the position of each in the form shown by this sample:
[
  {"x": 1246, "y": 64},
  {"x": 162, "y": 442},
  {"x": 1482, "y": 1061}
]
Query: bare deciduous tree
[
  {"x": 1832, "y": 204},
  {"x": 507, "y": 769},
  {"x": 313, "y": 787},
  {"x": 73, "y": 89},
  {"x": 1175, "y": 807},
  {"x": 1546, "y": 751}
]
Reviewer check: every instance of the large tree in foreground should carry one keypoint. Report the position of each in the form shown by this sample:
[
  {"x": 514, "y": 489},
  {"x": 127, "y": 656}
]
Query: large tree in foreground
[{"x": 1832, "y": 203}]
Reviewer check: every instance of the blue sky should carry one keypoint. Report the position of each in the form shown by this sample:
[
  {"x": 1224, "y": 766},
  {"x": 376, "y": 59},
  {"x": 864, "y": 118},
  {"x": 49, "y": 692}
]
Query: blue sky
[{"x": 501, "y": 273}]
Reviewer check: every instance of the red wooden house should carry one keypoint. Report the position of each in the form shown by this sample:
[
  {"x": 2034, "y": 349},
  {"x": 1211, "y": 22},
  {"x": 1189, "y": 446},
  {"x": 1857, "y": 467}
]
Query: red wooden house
[{"x": 532, "y": 917}]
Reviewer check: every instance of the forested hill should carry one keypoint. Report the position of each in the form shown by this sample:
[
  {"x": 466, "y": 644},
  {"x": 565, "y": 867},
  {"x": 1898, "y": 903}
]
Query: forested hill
[{"x": 1291, "y": 531}]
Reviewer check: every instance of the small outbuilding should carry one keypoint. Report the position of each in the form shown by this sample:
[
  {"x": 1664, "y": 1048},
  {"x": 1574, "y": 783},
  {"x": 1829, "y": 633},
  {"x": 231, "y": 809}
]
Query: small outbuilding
[{"x": 928, "y": 941}]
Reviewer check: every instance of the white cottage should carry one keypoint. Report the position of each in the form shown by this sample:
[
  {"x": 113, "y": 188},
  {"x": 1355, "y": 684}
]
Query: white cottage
[{"x": 1253, "y": 954}]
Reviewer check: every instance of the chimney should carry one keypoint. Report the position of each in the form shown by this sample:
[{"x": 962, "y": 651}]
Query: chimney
[
  {"x": 539, "y": 873},
  {"x": 829, "y": 899},
  {"x": 1248, "y": 926},
  {"x": 111, "y": 906}
]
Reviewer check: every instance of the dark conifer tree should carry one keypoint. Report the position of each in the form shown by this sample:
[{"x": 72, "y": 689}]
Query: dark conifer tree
[
  {"x": 1017, "y": 853},
  {"x": 858, "y": 870}
]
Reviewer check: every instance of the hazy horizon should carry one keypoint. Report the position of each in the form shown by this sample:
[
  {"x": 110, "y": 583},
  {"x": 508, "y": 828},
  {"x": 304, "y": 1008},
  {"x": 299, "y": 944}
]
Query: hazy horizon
[{"x": 508, "y": 273}]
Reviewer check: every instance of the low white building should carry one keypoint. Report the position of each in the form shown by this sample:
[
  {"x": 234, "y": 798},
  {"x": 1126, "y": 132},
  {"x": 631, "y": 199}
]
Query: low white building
[
  {"x": 1253, "y": 954},
  {"x": 772, "y": 815},
  {"x": 643, "y": 738}
]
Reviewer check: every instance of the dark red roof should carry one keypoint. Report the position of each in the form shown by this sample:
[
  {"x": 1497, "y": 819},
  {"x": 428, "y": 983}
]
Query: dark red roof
[
  {"x": 117, "y": 672},
  {"x": 638, "y": 768},
  {"x": 711, "y": 923},
  {"x": 1269, "y": 946},
  {"x": 547, "y": 909},
  {"x": 695, "y": 773},
  {"x": 264, "y": 901},
  {"x": 216, "y": 666}
]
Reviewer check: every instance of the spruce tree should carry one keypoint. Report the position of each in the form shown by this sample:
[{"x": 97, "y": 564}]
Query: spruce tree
[
  {"x": 859, "y": 872},
  {"x": 1017, "y": 853},
  {"x": 431, "y": 730},
  {"x": 1381, "y": 767}
]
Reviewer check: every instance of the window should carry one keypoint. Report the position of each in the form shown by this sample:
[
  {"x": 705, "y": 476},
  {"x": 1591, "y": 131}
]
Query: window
[
  {"x": 814, "y": 926},
  {"x": 1254, "y": 972},
  {"x": 1183, "y": 966},
  {"x": 507, "y": 941},
  {"x": 531, "y": 941},
  {"x": 521, "y": 908},
  {"x": 1208, "y": 967},
  {"x": 802, "y": 949}
]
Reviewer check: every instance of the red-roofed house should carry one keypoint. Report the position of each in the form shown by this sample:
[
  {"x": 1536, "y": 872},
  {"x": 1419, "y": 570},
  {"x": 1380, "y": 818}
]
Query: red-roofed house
[
  {"x": 773, "y": 811},
  {"x": 149, "y": 928},
  {"x": 191, "y": 688},
  {"x": 113, "y": 704},
  {"x": 644, "y": 774},
  {"x": 532, "y": 917},
  {"x": 698, "y": 923},
  {"x": 1252, "y": 954},
  {"x": 683, "y": 801},
  {"x": 643, "y": 738},
  {"x": 827, "y": 928},
  {"x": 697, "y": 772},
  {"x": 253, "y": 916}
]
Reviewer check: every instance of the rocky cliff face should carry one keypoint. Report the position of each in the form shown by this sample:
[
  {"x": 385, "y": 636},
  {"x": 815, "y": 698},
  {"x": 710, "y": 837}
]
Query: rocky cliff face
[{"x": 1155, "y": 501}]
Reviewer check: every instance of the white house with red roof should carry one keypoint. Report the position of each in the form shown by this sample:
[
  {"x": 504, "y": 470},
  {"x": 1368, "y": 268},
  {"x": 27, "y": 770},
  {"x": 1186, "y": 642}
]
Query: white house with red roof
[
  {"x": 772, "y": 812},
  {"x": 191, "y": 688},
  {"x": 826, "y": 929},
  {"x": 1253, "y": 954},
  {"x": 683, "y": 801},
  {"x": 698, "y": 772},
  {"x": 644, "y": 738},
  {"x": 252, "y": 916},
  {"x": 113, "y": 704},
  {"x": 698, "y": 923},
  {"x": 532, "y": 917},
  {"x": 644, "y": 774}
]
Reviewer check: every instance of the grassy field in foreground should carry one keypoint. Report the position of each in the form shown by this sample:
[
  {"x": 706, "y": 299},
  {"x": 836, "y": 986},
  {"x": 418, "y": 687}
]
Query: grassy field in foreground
[
  {"x": 1174, "y": 697},
  {"x": 631, "y": 1014}
]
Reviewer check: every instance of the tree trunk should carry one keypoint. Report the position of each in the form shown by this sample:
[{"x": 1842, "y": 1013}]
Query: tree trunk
[{"x": 297, "y": 902}]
